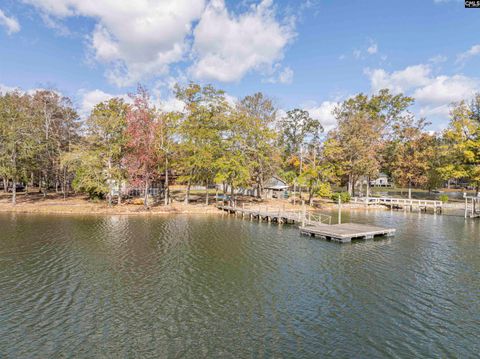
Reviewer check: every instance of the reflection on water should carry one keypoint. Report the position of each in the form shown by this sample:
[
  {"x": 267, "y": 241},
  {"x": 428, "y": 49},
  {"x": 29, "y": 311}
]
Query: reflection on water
[{"x": 118, "y": 286}]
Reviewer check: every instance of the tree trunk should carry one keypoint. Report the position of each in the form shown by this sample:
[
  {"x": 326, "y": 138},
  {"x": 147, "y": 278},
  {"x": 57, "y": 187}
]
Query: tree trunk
[
  {"x": 294, "y": 192},
  {"x": 353, "y": 186},
  {"x": 368, "y": 188},
  {"x": 145, "y": 197},
  {"x": 187, "y": 194},
  {"x": 64, "y": 182},
  {"x": 410, "y": 190},
  {"x": 45, "y": 184},
  {"x": 14, "y": 191},
  {"x": 14, "y": 178},
  {"x": 260, "y": 187},
  {"x": 310, "y": 195},
  {"x": 167, "y": 193},
  {"x": 232, "y": 195},
  {"x": 109, "y": 179},
  {"x": 5, "y": 184},
  {"x": 206, "y": 193},
  {"x": 350, "y": 185},
  {"x": 119, "y": 197}
]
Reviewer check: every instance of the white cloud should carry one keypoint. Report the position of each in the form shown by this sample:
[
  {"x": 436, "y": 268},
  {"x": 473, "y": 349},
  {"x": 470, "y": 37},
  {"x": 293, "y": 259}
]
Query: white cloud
[
  {"x": 279, "y": 75},
  {"x": 5, "y": 88},
  {"x": 135, "y": 39},
  {"x": 142, "y": 39},
  {"x": 399, "y": 81},
  {"x": 434, "y": 94},
  {"x": 373, "y": 48},
  {"x": 447, "y": 89},
  {"x": 88, "y": 100},
  {"x": 467, "y": 55},
  {"x": 286, "y": 76},
  {"x": 362, "y": 54},
  {"x": 10, "y": 23},
  {"x": 227, "y": 46},
  {"x": 438, "y": 59},
  {"x": 435, "y": 111},
  {"x": 323, "y": 113}
]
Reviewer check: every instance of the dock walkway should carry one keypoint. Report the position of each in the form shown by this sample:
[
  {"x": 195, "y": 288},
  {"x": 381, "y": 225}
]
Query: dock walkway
[
  {"x": 312, "y": 224},
  {"x": 401, "y": 203}
]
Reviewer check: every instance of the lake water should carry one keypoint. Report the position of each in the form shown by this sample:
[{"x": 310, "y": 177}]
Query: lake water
[{"x": 213, "y": 287}]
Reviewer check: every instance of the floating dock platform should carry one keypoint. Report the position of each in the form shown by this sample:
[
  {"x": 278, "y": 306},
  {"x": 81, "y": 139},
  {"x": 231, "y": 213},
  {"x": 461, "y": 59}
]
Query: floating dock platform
[{"x": 345, "y": 232}]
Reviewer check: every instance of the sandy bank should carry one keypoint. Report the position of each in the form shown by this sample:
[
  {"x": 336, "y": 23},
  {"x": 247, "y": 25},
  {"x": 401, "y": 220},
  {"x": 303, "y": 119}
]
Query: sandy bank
[{"x": 79, "y": 204}]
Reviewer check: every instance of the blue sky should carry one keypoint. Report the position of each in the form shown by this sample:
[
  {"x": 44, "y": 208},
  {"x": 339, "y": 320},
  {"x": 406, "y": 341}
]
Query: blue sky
[{"x": 308, "y": 54}]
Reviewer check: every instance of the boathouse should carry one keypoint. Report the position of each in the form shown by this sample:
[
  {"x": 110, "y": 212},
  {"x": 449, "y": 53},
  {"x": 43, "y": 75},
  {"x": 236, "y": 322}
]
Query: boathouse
[{"x": 276, "y": 187}]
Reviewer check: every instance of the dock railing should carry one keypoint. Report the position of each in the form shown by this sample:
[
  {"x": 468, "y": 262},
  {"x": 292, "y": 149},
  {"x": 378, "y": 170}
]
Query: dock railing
[
  {"x": 400, "y": 202},
  {"x": 298, "y": 215}
]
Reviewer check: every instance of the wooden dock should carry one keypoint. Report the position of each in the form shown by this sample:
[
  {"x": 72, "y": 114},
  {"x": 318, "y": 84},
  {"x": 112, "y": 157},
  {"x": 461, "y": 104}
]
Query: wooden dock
[
  {"x": 312, "y": 224},
  {"x": 402, "y": 203}
]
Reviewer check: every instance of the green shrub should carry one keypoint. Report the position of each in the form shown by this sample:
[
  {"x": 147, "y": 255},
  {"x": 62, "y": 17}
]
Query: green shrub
[
  {"x": 344, "y": 197},
  {"x": 443, "y": 198},
  {"x": 324, "y": 190}
]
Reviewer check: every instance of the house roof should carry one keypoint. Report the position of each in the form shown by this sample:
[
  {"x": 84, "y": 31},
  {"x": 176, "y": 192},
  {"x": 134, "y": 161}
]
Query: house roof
[{"x": 276, "y": 183}]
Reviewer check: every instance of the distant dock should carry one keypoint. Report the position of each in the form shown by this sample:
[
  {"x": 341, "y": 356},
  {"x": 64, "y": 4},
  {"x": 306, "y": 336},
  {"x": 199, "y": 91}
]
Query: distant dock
[
  {"x": 312, "y": 224},
  {"x": 401, "y": 203}
]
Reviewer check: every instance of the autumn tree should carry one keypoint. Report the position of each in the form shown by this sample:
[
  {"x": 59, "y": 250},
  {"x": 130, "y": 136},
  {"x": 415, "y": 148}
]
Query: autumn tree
[
  {"x": 17, "y": 138},
  {"x": 461, "y": 143},
  {"x": 364, "y": 124},
  {"x": 56, "y": 124},
  {"x": 258, "y": 137},
  {"x": 412, "y": 155},
  {"x": 97, "y": 160},
  {"x": 201, "y": 129},
  {"x": 142, "y": 156},
  {"x": 299, "y": 134},
  {"x": 166, "y": 146},
  {"x": 353, "y": 147}
]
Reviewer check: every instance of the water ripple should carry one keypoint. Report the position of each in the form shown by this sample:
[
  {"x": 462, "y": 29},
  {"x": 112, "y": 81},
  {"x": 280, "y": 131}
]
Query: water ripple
[{"x": 117, "y": 286}]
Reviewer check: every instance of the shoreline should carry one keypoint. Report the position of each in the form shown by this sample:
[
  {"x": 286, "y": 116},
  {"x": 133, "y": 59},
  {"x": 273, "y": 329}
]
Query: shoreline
[{"x": 81, "y": 206}]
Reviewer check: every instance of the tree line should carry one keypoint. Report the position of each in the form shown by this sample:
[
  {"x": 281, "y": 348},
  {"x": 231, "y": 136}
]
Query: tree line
[{"x": 44, "y": 143}]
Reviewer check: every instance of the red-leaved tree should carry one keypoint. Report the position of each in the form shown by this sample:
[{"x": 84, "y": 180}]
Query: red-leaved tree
[{"x": 141, "y": 159}]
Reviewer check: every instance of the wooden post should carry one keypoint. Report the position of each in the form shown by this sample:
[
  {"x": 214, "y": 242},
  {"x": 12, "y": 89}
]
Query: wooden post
[
  {"x": 294, "y": 192},
  {"x": 339, "y": 210},
  {"x": 368, "y": 192},
  {"x": 304, "y": 213}
]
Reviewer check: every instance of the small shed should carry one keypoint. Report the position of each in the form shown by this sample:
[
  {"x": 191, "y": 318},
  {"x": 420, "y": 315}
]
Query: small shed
[
  {"x": 275, "y": 187},
  {"x": 381, "y": 181}
]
